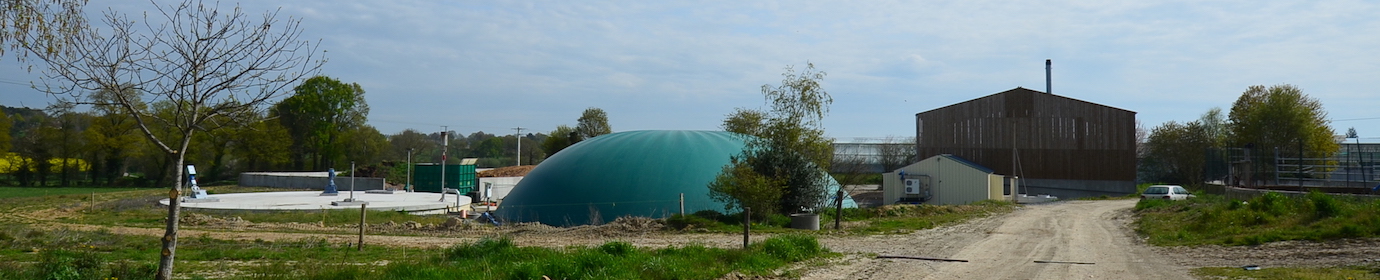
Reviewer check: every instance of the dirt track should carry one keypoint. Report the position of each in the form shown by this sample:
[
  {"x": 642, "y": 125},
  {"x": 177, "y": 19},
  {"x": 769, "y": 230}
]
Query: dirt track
[{"x": 1007, "y": 247}]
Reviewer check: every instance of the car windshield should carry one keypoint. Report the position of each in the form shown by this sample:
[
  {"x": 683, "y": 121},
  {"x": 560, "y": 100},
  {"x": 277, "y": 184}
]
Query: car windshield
[
  {"x": 1180, "y": 190},
  {"x": 1157, "y": 190}
]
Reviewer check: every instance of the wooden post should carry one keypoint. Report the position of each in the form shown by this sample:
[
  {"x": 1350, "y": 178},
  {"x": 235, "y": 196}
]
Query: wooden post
[
  {"x": 747, "y": 224},
  {"x": 361, "y": 227},
  {"x": 682, "y": 204},
  {"x": 838, "y": 211},
  {"x": 92, "y": 208}
]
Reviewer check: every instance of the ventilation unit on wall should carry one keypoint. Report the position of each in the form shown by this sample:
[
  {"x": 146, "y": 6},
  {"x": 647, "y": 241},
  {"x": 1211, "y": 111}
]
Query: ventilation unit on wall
[{"x": 912, "y": 186}]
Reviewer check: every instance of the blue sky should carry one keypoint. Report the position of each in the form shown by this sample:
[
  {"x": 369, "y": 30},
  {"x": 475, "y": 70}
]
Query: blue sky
[{"x": 492, "y": 66}]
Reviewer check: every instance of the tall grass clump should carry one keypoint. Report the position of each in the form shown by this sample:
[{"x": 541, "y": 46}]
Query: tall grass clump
[
  {"x": 1212, "y": 219},
  {"x": 76, "y": 264},
  {"x": 499, "y": 258}
]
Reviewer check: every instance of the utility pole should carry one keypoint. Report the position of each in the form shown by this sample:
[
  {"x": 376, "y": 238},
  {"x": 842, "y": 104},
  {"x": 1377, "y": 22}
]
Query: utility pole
[
  {"x": 445, "y": 144},
  {"x": 408, "y": 187},
  {"x": 519, "y": 146}
]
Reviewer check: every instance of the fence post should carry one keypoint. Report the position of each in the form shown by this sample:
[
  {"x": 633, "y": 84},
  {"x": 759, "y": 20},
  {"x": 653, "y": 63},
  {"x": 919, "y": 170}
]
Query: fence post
[
  {"x": 361, "y": 227},
  {"x": 682, "y": 204},
  {"x": 838, "y": 211},
  {"x": 747, "y": 224}
]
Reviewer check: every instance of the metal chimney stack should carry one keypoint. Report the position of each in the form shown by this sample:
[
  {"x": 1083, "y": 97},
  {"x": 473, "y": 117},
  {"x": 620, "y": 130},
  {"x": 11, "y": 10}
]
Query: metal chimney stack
[{"x": 1048, "y": 81}]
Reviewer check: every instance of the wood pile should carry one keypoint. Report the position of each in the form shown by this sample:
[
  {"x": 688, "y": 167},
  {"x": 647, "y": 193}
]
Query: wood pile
[{"x": 510, "y": 171}]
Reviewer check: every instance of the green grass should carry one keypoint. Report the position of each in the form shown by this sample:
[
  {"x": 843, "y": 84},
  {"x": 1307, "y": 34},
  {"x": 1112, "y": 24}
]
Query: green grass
[
  {"x": 1283, "y": 273},
  {"x": 19, "y": 192},
  {"x": 1212, "y": 219},
  {"x": 139, "y": 207},
  {"x": 885, "y": 219},
  {"x": 27, "y": 253}
]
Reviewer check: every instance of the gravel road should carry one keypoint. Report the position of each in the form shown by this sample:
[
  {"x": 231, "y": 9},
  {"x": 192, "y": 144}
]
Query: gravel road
[{"x": 1042, "y": 241}]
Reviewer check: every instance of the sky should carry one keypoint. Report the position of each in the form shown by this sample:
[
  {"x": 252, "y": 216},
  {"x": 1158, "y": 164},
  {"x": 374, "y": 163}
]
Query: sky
[{"x": 493, "y": 66}]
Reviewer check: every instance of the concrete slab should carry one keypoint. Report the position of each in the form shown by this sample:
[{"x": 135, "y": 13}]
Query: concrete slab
[{"x": 312, "y": 200}]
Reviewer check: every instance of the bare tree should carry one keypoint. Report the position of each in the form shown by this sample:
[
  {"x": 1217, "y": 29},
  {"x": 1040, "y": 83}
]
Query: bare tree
[
  {"x": 896, "y": 153},
  {"x": 205, "y": 63}
]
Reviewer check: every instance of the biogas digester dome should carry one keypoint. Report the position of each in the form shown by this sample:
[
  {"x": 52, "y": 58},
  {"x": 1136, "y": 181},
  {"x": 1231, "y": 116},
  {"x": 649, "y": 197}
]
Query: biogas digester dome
[{"x": 635, "y": 173}]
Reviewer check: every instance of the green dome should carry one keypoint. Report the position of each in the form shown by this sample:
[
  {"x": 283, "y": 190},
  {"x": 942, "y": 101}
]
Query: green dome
[{"x": 635, "y": 173}]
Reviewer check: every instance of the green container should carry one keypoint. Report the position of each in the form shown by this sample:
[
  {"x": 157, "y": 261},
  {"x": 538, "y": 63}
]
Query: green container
[{"x": 426, "y": 177}]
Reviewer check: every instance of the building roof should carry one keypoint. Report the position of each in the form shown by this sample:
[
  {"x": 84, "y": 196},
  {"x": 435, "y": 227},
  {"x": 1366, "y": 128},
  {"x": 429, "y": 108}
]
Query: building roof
[
  {"x": 1024, "y": 90},
  {"x": 963, "y": 161}
]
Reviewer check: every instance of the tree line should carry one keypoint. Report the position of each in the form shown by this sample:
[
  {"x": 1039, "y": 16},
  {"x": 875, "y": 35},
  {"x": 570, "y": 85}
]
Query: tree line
[{"x": 1276, "y": 120}]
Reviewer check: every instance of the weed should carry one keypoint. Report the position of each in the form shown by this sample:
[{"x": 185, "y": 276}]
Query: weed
[{"x": 1212, "y": 219}]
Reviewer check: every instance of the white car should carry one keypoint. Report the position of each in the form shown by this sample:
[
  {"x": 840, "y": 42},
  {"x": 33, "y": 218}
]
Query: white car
[{"x": 1167, "y": 192}]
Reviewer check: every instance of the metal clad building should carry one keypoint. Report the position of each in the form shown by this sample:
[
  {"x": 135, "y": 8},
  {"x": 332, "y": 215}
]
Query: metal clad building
[
  {"x": 1058, "y": 145},
  {"x": 942, "y": 179}
]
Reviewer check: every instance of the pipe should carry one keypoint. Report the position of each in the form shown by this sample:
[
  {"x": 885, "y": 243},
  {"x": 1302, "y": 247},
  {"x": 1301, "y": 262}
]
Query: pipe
[{"x": 1048, "y": 82}]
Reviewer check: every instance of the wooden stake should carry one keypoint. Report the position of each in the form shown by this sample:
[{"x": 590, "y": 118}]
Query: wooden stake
[
  {"x": 838, "y": 211},
  {"x": 747, "y": 225},
  {"x": 361, "y": 227}
]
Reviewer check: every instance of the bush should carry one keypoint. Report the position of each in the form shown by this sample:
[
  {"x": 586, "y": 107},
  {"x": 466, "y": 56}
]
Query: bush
[
  {"x": 1324, "y": 205},
  {"x": 618, "y": 248}
]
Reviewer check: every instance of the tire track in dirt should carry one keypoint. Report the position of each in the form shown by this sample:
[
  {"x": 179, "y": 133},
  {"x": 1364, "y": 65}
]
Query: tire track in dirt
[{"x": 1007, "y": 246}]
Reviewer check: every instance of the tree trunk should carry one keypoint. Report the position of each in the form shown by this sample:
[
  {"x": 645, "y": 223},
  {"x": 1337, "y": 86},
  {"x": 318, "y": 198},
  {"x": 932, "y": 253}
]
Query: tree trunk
[{"x": 165, "y": 262}]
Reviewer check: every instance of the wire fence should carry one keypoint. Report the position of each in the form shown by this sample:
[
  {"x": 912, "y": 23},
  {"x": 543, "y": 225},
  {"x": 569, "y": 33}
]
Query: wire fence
[{"x": 1244, "y": 167}]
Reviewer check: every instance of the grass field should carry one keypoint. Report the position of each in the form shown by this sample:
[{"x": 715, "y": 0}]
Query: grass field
[
  {"x": 1289, "y": 273},
  {"x": 17, "y": 192},
  {"x": 28, "y": 253},
  {"x": 886, "y": 219},
  {"x": 1213, "y": 219}
]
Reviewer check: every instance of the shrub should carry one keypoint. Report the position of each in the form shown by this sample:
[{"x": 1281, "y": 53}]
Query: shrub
[
  {"x": 1324, "y": 205},
  {"x": 617, "y": 248},
  {"x": 1271, "y": 202}
]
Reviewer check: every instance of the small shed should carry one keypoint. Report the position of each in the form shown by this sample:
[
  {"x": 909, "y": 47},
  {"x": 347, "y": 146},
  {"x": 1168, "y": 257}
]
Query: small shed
[
  {"x": 427, "y": 177},
  {"x": 943, "y": 180}
]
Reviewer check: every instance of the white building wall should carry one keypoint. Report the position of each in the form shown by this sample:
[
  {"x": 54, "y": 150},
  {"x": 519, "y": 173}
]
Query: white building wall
[
  {"x": 501, "y": 187},
  {"x": 950, "y": 182}
]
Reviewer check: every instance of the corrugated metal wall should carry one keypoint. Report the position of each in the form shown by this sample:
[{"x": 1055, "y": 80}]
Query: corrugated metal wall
[
  {"x": 951, "y": 182},
  {"x": 1057, "y": 137}
]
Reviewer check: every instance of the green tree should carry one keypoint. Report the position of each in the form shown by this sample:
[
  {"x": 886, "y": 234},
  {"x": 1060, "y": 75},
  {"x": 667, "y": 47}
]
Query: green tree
[
  {"x": 562, "y": 137},
  {"x": 319, "y": 113},
  {"x": 1215, "y": 127},
  {"x": 593, "y": 122},
  {"x": 491, "y": 147},
  {"x": 1176, "y": 153},
  {"x": 263, "y": 146},
  {"x": 203, "y": 61},
  {"x": 111, "y": 136},
  {"x": 367, "y": 145},
  {"x": 738, "y": 186},
  {"x": 421, "y": 145},
  {"x": 5, "y": 124},
  {"x": 745, "y": 121},
  {"x": 789, "y": 144},
  {"x": 1281, "y": 117}
]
